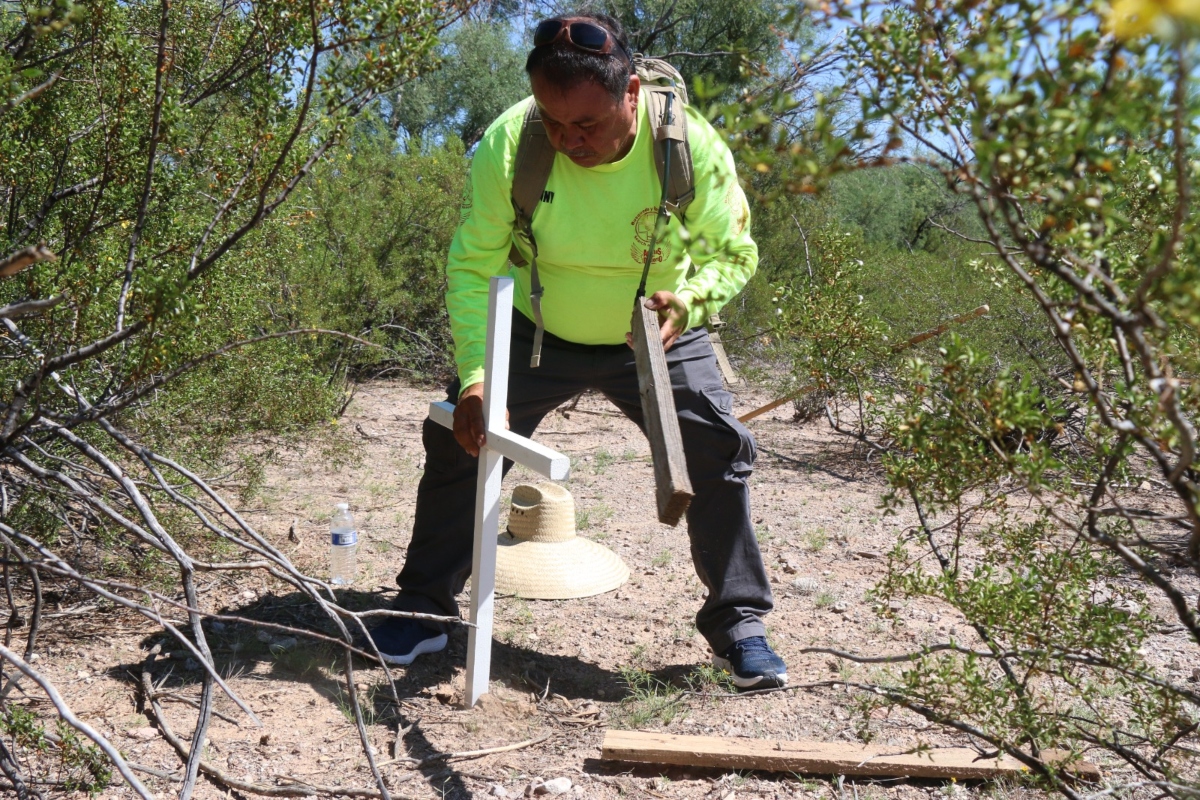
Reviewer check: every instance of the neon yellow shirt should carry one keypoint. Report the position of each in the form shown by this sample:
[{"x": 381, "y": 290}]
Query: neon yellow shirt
[{"x": 592, "y": 230}]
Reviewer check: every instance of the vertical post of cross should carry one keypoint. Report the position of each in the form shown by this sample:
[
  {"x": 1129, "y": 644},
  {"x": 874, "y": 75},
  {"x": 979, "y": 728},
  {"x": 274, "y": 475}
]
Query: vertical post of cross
[
  {"x": 487, "y": 493},
  {"x": 501, "y": 443}
]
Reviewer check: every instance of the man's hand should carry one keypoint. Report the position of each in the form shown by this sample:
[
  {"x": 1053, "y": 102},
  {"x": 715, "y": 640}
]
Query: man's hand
[
  {"x": 469, "y": 429},
  {"x": 672, "y": 317}
]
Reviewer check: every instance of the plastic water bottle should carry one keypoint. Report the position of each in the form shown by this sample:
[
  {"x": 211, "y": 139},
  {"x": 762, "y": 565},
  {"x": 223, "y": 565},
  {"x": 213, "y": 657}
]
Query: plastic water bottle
[{"x": 343, "y": 546}]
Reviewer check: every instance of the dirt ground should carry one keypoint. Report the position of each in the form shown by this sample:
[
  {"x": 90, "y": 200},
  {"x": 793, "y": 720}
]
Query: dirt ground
[{"x": 561, "y": 669}]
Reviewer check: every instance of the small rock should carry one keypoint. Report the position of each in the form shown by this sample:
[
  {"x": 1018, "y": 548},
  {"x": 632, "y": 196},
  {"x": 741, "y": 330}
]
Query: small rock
[
  {"x": 142, "y": 734},
  {"x": 265, "y": 739},
  {"x": 248, "y": 595},
  {"x": 839, "y": 607},
  {"x": 34, "y": 657},
  {"x": 83, "y": 673},
  {"x": 895, "y": 605},
  {"x": 496, "y": 790},
  {"x": 1195, "y": 678},
  {"x": 806, "y": 585},
  {"x": 556, "y": 786}
]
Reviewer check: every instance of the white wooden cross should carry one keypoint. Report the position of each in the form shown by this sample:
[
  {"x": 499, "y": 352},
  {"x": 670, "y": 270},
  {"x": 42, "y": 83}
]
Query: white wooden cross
[{"x": 501, "y": 444}]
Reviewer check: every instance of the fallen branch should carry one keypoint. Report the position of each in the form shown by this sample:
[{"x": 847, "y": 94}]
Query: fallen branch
[
  {"x": 298, "y": 789},
  {"x": 421, "y": 763},
  {"x": 68, "y": 716}
]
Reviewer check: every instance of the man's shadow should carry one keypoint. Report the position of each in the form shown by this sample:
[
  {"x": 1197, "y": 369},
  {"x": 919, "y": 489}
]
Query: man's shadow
[{"x": 245, "y": 647}]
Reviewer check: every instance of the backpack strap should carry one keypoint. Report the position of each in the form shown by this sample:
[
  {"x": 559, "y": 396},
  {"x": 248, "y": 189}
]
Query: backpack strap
[
  {"x": 531, "y": 171},
  {"x": 682, "y": 190}
]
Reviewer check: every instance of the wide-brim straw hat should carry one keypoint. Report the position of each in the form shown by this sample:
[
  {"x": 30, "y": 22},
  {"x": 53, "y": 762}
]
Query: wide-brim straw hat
[{"x": 540, "y": 557}]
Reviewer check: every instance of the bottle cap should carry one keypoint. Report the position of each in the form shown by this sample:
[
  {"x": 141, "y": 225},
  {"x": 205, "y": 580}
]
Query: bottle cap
[{"x": 343, "y": 506}]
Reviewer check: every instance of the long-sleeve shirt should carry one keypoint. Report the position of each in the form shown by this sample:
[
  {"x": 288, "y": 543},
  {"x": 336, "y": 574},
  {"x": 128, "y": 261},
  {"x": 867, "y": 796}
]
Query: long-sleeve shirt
[{"x": 592, "y": 229}]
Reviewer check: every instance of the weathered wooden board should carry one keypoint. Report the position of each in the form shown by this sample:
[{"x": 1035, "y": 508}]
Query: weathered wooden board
[
  {"x": 673, "y": 489},
  {"x": 813, "y": 758}
]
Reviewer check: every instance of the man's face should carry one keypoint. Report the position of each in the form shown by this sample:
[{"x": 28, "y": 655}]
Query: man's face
[{"x": 585, "y": 123}]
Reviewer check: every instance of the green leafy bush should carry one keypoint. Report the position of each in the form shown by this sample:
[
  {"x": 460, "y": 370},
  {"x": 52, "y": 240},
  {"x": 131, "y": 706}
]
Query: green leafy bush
[{"x": 1051, "y": 460}]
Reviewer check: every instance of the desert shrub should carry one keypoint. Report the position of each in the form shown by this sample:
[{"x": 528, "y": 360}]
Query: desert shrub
[
  {"x": 1070, "y": 135},
  {"x": 372, "y": 229},
  {"x": 145, "y": 145}
]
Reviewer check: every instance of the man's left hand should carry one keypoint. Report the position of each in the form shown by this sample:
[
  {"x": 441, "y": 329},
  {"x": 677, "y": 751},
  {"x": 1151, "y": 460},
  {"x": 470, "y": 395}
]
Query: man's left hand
[{"x": 672, "y": 317}]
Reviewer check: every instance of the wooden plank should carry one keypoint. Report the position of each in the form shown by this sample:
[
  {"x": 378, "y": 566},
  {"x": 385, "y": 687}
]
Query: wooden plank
[
  {"x": 813, "y": 758},
  {"x": 940, "y": 329},
  {"x": 673, "y": 488},
  {"x": 774, "y": 404},
  {"x": 727, "y": 372}
]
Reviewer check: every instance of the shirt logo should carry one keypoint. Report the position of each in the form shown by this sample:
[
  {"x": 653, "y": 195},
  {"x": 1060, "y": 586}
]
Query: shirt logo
[
  {"x": 547, "y": 196},
  {"x": 643, "y": 229}
]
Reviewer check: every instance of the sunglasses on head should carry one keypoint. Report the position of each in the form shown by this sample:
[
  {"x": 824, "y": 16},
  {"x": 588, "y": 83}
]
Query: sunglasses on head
[{"x": 582, "y": 34}]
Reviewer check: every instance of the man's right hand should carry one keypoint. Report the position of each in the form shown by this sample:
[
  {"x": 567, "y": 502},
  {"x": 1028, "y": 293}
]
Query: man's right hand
[{"x": 469, "y": 429}]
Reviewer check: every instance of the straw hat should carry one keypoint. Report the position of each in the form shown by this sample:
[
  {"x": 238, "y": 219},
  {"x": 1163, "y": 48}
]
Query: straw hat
[{"x": 539, "y": 556}]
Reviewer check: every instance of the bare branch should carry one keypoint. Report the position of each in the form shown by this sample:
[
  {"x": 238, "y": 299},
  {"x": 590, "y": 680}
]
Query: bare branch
[{"x": 68, "y": 716}]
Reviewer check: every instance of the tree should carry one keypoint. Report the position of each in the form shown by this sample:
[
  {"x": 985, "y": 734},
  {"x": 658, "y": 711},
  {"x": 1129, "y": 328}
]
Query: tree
[
  {"x": 1054, "y": 499},
  {"x": 145, "y": 144},
  {"x": 376, "y": 227},
  {"x": 479, "y": 74}
]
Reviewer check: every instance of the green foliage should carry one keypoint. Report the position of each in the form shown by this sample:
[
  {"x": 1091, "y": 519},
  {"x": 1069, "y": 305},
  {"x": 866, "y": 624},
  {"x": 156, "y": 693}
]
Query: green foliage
[
  {"x": 480, "y": 72},
  {"x": 63, "y": 757},
  {"x": 1019, "y": 155},
  {"x": 649, "y": 699},
  {"x": 145, "y": 145},
  {"x": 370, "y": 232},
  {"x": 727, "y": 42},
  {"x": 955, "y": 429},
  {"x": 143, "y": 179}
]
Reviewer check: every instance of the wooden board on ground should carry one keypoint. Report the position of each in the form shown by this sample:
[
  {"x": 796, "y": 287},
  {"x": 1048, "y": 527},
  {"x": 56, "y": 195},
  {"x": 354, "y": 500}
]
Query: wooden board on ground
[
  {"x": 673, "y": 489},
  {"x": 813, "y": 758}
]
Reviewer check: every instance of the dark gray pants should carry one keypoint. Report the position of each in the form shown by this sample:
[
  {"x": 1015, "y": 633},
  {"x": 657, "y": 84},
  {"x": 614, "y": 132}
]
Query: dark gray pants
[{"x": 720, "y": 455}]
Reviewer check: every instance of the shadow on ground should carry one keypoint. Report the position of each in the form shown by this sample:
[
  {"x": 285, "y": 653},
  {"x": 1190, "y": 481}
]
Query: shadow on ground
[{"x": 244, "y": 647}]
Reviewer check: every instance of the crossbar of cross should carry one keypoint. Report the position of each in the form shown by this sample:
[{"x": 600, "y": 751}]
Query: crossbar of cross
[{"x": 501, "y": 444}]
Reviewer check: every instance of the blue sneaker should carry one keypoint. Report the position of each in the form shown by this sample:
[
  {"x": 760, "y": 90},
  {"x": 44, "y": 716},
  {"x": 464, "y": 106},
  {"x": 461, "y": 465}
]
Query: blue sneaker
[
  {"x": 753, "y": 664},
  {"x": 401, "y": 640}
]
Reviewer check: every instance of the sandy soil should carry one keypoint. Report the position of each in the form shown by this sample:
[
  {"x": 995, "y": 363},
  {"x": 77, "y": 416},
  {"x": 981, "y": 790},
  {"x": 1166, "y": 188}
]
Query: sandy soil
[{"x": 560, "y": 668}]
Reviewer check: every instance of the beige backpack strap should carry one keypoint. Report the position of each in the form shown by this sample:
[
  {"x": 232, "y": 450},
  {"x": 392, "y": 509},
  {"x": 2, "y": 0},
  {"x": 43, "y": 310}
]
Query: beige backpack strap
[
  {"x": 683, "y": 181},
  {"x": 714, "y": 326},
  {"x": 531, "y": 171}
]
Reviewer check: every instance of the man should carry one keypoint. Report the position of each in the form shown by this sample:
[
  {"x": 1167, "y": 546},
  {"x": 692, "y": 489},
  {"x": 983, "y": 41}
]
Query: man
[{"x": 592, "y": 231}]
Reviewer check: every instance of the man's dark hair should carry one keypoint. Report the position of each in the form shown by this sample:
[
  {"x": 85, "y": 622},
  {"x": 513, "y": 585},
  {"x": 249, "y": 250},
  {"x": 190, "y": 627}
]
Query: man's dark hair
[{"x": 566, "y": 66}]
